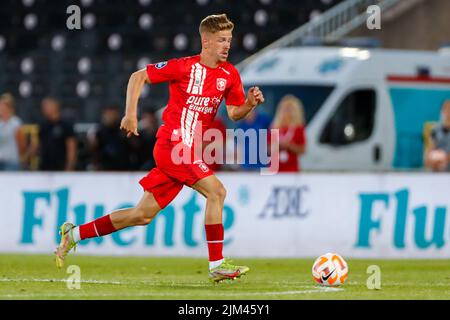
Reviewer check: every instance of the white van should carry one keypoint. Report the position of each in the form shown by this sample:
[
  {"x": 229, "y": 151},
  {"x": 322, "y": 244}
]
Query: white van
[{"x": 365, "y": 109}]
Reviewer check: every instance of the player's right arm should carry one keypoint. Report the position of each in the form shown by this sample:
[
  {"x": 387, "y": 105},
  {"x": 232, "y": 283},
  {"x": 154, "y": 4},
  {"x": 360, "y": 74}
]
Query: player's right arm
[
  {"x": 135, "y": 84},
  {"x": 165, "y": 71}
]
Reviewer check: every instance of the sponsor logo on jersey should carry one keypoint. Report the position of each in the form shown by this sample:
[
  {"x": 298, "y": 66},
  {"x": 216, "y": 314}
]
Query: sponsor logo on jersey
[
  {"x": 216, "y": 101},
  {"x": 198, "y": 101},
  {"x": 161, "y": 65},
  {"x": 200, "y": 104},
  {"x": 221, "y": 84}
]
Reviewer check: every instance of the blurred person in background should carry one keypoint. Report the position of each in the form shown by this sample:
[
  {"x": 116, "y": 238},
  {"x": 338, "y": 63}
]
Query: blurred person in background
[
  {"x": 12, "y": 139},
  {"x": 255, "y": 121},
  {"x": 109, "y": 145},
  {"x": 57, "y": 141},
  {"x": 290, "y": 121},
  {"x": 437, "y": 153},
  {"x": 142, "y": 145}
]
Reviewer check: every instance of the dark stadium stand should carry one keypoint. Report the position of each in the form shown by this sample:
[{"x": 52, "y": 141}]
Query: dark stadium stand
[{"x": 89, "y": 68}]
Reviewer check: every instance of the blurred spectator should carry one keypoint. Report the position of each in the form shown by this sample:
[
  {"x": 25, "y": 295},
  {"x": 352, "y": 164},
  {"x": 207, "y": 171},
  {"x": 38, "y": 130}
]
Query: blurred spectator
[
  {"x": 109, "y": 145},
  {"x": 216, "y": 145},
  {"x": 437, "y": 153},
  {"x": 142, "y": 145},
  {"x": 12, "y": 139},
  {"x": 290, "y": 122},
  {"x": 57, "y": 141},
  {"x": 255, "y": 121}
]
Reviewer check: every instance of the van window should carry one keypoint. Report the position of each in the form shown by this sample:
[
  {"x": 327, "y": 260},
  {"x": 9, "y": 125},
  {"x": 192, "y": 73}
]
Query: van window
[
  {"x": 353, "y": 120},
  {"x": 312, "y": 97}
]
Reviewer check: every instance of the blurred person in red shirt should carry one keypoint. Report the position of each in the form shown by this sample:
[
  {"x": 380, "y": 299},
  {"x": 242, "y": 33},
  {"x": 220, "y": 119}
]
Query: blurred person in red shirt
[{"x": 290, "y": 121}]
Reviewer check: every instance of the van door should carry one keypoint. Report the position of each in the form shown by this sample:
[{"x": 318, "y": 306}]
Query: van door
[{"x": 348, "y": 138}]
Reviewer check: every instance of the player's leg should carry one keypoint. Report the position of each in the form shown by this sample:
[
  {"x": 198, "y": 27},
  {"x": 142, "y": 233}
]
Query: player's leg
[
  {"x": 215, "y": 194},
  {"x": 142, "y": 214},
  {"x": 159, "y": 189}
]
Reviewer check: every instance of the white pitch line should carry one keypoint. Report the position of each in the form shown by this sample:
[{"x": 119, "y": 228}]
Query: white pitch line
[
  {"x": 152, "y": 294},
  {"x": 297, "y": 284},
  {"x": 309, "y": 288},
  {"x": 436, "y": 284},
  {"x": 171, "y": 284},
  {"x": 59, "y": 280}
]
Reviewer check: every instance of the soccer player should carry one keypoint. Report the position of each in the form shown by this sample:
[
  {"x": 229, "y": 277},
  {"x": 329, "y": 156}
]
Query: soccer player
[{"x": 198, "y": 84}]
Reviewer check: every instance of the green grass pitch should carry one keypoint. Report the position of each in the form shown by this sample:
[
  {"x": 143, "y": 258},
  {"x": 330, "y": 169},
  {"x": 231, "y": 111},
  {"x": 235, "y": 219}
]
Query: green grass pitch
[{"x": 36, "y": 277}]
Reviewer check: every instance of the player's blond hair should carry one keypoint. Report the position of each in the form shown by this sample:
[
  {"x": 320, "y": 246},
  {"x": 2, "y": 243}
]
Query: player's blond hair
[
  {"x": 8, "y": 99},
  {"x": 215, "y": 23},
  {"x": 298, "y": 117}
]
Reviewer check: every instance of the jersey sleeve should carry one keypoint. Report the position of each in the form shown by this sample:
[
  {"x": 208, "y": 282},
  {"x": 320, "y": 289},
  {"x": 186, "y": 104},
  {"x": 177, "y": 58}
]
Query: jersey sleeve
[
  {"x": 165, "y": 71},
  {"x": 235, "y": 95}
]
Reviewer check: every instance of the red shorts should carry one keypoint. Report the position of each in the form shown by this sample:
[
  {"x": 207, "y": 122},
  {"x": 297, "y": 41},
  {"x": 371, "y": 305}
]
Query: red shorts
[{"x": 166, "y": 180}]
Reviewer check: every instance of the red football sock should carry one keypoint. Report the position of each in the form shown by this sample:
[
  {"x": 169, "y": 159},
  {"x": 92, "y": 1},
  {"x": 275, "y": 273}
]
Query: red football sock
[
  {"x": 97, "y": 228},
  {"x": 214, "y": 237}
]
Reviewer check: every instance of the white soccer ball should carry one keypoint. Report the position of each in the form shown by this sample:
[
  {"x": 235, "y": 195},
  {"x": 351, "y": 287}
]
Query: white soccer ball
[{"x": 330, "y": 270}]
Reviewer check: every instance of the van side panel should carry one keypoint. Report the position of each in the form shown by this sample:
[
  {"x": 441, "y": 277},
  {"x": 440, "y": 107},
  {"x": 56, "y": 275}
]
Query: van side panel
[{"x": 413, "y": 107}]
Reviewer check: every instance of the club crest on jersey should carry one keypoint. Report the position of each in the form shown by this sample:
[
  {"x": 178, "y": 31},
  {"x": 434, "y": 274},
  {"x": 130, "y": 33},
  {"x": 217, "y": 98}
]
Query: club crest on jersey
[
  {"x": 221, "y": 84},
  {"x": 161, "y": 65},
  {"x": 202, "y": 165}
]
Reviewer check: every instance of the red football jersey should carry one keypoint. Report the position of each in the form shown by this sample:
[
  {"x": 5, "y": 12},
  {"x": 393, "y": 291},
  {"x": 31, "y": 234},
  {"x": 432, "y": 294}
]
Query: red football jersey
[{"x": 196, "y": 92}]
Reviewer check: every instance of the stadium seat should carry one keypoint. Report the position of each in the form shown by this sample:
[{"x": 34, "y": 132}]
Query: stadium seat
[{"x": 115, "y": 37}]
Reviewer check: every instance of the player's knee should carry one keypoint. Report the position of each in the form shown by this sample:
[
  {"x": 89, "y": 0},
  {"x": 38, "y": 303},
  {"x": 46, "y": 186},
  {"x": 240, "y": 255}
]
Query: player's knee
[
  {"x": 218, "y": 194},
  {"x": 145, "y": 215},
  {"x": 222, "y": 193},
  {"x": 143, "y": 218}
]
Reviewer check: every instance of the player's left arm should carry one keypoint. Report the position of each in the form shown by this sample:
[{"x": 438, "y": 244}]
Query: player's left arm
[{"x": 254, "y": 98}]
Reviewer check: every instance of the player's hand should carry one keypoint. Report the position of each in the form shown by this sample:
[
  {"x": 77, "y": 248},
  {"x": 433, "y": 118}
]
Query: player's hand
[
  {"x": 130, "y": 125},
  {"x": 255, "y": 96},
  {"x": 284, "y": 145}
]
